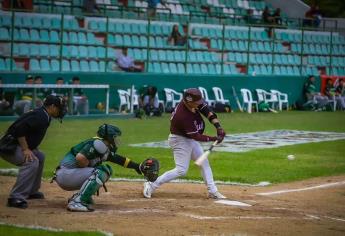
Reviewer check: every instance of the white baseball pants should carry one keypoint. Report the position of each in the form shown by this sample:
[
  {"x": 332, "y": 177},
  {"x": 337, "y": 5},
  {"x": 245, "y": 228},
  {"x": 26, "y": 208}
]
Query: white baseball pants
[{"x": 185, "y": 150}]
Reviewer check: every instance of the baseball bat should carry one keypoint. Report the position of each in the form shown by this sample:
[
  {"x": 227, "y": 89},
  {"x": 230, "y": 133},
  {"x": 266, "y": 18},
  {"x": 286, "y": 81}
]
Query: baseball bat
[{"x": 204, "y": 156}]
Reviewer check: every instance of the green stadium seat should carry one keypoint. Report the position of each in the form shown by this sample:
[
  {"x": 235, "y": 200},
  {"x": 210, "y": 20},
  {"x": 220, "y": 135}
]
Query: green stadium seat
[
  {"x": 34, "y": 65},
  {"x": 196, "y": 69},
  {"x": 118, "y": 40},
  {"x": 55, "y": 23},
  {"x": 200, "y": 57},
  {"x": 75, "y": 66},
  {"x": 204, "y": 69},
  {"x": 157, "y": 67},
  {"x": 180, "y": 68},
  {"x": 111, "y": 53},
  {"x": 6, "y": 21},
  {"x": 91, "y": 39},
  {"x": 34, "y": 50},
  {"x": 44, "y": 35},
  {"x": 92, "y": 51},
  {"x": 127, "y": 28},
  {"x": 173, "y": 68},
  {"x": 55, "y": 65},
  {"x": 24, "y": 35},
  {"x": 101, "y": 65},
  {"x": 4, "y": 34},
  {"x": 54, "y": 51},
  {"x": 74, "y": 52},
  {"x": 170, "y": 55},
  {"x": 94, "y": 67},
  {"x": 277, "y": 70},
  {"x": 152, "y": 42},
  {"x": 23, "y": 49},
  {"x": 162, "y": 55},
  {"x": 84, "y": 66},
  {"x": 100, "y": 52},
  {"x": 53, "y": 36},
  {"x": 83, "y": 52},
  {"x": 81, "y": 36},
  {"x": 154, "y": 55},
  {"x": 45, "y": 65},
  {"x": 160, "y": 42},
  {"x": 143, "y": 41},
  {"x": 190, "y": 69},
  {"x": 27, "y": 22},
  {"x": 65, "y": 51},
  {"x": 73, "y": 38},
  {"x": 65, "y": 38},
  {"x": 44, "y": 50}
]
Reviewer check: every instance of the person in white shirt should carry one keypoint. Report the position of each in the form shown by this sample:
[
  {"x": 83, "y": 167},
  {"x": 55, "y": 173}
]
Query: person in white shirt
[{"x": 126, "y": 63}]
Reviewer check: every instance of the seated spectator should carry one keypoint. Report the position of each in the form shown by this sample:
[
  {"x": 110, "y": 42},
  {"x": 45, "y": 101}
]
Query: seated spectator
[
  {"x": 126, "y": 63},
  {"x": 176, "y": 38},
  {"x": 41, "y": 93},
  {"x": 340, "y": 93},
  {"x": 266, "y": 16},
  {"x": 249, "y": 18},
  {"x": 80, "y": 101},
  {"x": 24, "y": 96},
  {"x": 5, "y": 105},
  {"x": 313, "y": 99},
  {"x": 90, "y": 6},
  {"x": 312, "y": 17},
  {"x": 277, "y": 17}
]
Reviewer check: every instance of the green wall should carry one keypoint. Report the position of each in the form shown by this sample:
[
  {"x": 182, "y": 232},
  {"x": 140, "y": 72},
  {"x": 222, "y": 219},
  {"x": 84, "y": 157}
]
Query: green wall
[{"x": 292, "y": 85}]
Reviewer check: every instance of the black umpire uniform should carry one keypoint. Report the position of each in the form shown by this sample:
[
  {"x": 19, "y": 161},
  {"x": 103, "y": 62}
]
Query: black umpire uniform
[{"x": 19, "y": 146}]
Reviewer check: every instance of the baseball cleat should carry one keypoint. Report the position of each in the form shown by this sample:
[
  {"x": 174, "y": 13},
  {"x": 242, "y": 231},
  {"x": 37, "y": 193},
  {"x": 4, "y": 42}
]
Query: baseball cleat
[
  {"x": 216, "y": 195},
  {"x": 78, "y": 207},
  {"x": 147, "y": 190}
]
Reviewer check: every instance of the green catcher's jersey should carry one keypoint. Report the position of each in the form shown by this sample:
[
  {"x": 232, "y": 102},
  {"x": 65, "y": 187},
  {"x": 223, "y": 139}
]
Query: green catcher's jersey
[{"x": 95, "y": 155}]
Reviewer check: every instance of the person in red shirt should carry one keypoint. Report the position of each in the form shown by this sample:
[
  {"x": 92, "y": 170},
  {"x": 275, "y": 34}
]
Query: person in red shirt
[{"x": 186, "y": 131}]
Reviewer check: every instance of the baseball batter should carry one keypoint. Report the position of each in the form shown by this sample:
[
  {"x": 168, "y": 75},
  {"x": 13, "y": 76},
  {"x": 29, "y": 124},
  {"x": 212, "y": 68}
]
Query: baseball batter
[
  {"x": 186, "y": 131},
  {"x": 82, "y": 168}
]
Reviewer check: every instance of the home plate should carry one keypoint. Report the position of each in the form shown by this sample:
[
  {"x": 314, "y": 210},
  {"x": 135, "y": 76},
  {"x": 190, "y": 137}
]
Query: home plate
[{"x": 233, "y": 203}]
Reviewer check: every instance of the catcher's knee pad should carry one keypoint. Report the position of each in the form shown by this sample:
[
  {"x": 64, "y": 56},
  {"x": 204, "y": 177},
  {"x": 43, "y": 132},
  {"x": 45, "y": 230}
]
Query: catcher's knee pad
[{"x": 105, "y": 172}]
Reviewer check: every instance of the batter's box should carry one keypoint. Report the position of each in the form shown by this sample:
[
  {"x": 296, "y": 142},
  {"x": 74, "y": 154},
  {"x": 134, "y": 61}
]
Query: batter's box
[{"x": 267, "y": 139}]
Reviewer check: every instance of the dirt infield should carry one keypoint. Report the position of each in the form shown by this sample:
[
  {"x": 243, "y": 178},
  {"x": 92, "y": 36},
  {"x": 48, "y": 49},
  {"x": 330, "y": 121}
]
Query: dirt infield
[{"x": 183, "y": 209}]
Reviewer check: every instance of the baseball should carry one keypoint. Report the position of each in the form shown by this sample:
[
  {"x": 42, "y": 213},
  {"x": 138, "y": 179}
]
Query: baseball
[{"x": 291, "y": 157}]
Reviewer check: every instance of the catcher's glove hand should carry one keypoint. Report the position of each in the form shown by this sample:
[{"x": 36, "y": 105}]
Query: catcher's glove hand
[{"x": 150, "y": 169}]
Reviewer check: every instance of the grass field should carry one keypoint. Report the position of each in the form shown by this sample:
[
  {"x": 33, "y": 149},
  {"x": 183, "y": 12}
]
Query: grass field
[{"x": 312, "y": 160}]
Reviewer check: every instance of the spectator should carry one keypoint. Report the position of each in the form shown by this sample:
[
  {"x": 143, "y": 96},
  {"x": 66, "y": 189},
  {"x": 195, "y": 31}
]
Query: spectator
[
  {"x": 24, "y": 97},
  {"x": 5, "y": 105},
  {"x": 152, "y": 7},
  {"x": 340, "y": 93},
  {"x": 313, "y": 98},
  {"x": 90, "y": 6},
  {"x": 176, "y": 38},
  {"x": 249, "y": 18},
  {"x": 312, "y": 17},
  {"x": 80, "y": 101},
  {"x": 267, "y": 18},
  {"x": 41, "y": 93},
  {"x": 126, "y": 63},
  {"x": 277, "y": 17},
  {"x": 329, "y": 90}
]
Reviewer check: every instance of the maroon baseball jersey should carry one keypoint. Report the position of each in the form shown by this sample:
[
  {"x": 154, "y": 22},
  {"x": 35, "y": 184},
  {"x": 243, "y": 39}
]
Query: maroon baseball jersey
[{"x": 186, "y": 123}]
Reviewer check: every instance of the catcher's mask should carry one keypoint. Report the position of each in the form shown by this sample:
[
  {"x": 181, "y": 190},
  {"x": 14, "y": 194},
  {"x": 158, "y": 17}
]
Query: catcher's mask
[
  {"x": 109, "y": 133},
  {"x": 59, "y": 102}
]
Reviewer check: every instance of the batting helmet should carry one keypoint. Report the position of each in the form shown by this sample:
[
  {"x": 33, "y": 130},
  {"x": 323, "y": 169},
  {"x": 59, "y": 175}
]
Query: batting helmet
[
  {"x": 193, "y": 95},
  {"x": 109, "y": 133}
]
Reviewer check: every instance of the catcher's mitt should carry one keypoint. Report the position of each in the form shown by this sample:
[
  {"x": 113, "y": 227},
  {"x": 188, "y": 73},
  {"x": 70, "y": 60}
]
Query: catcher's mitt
[{"x": 150, "y": 169}]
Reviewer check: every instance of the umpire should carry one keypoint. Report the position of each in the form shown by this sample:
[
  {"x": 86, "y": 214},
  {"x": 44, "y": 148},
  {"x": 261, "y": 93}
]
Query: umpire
[{"x": 19, "y": 146}]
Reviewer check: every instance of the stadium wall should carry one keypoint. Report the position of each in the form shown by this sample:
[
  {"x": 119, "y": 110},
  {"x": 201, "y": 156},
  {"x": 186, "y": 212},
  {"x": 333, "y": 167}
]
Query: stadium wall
[{"x": 292, "y": 85}]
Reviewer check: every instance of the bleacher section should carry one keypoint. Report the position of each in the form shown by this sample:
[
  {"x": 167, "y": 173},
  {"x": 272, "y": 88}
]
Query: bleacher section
[{"x": 45, "y": 42}]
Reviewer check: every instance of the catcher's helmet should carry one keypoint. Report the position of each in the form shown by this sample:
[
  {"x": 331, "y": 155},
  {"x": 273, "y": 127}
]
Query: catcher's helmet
[
  {"x": 59, "y": 102},
  {"x": 193, "y": 95},
  {"x": 109, "y": 133}
]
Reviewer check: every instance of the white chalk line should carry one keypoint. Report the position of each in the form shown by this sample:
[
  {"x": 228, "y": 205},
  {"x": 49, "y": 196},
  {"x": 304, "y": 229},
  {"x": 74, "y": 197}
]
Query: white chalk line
[
  {"x": 51, "y": 229},
  {"x": 199, "y": 217},
  {"x": 302, "y": 189}
]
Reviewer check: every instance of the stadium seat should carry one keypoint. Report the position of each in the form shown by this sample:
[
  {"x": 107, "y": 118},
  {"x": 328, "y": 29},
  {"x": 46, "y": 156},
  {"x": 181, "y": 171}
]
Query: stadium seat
[
  {"x": 45, "y": 65},
  {"x": 44, "y": 50},
  {"x": 34, "y": 65},
  {"x": 66, "y": 67},
  {"x": 55, "y": 65}
]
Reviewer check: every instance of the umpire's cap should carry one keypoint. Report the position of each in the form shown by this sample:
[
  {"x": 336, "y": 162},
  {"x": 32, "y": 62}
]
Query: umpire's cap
[
  {"x": 59, "y": 102},
  {"x": 193, "y": 95}
]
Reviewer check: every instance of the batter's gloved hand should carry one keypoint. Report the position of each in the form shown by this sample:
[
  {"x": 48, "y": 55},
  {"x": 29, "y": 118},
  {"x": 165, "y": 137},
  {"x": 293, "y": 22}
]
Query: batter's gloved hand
[
  {"x": 150, "y": 169},
  {"x": 220, "y": 134}
]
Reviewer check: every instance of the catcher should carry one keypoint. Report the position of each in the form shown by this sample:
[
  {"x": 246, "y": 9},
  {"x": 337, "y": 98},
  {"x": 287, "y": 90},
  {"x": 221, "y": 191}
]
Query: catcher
[{"x": 82, "y": 167}]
